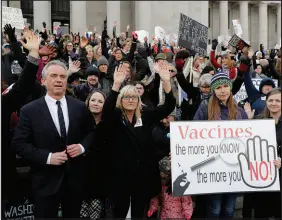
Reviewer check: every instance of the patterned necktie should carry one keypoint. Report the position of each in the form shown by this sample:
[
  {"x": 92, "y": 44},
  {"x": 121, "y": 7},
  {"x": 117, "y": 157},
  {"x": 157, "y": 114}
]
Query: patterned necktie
[{"x": 61, "y": 121}]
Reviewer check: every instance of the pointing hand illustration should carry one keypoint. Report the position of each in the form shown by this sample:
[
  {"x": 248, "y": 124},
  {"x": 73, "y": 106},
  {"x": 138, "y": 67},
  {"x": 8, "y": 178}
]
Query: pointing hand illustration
[
  {"x": 257, "y": 167},
  {"x": 179, "y": 190}
]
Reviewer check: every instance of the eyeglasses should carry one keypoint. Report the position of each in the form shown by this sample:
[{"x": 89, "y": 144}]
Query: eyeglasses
[
  {"x": 134, "y": 98},
  {"x": 70, "y": 45}
]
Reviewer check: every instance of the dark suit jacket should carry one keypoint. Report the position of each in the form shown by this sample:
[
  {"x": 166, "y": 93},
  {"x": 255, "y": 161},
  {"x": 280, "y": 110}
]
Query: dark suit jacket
[{"x": 36, "y": 136}]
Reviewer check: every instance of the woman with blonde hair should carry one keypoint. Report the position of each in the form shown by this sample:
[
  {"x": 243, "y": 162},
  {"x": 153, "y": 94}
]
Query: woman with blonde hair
[
  {"x": 133, "y": 176},
  {"x": 221, "y": 106}
]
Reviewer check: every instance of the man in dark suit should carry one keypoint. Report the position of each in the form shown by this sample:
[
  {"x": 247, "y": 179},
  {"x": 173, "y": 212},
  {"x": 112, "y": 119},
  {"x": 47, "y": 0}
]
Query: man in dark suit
[{"x": 55, "y": 134}]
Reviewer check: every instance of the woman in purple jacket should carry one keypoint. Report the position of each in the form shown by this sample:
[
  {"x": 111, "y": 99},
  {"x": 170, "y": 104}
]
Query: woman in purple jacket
[{"x": 221, "y": 106}]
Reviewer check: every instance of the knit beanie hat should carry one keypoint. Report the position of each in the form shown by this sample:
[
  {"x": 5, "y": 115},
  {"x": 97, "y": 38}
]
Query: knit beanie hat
[
  {"x": 219, "y": 79},
  {"x": 92, "y": 70},
  {"x": 102, "y": 61},
  {"x": 266, "y": 82}
]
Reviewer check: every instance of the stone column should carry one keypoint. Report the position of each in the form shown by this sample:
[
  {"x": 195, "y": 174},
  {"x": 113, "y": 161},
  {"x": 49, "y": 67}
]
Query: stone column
[
  {"x": 42, "y": 12},
  {"x": 113, "y": 14},
  {"x": 144, "y": 22},
  {"x": 278, "y": 41},
  {"x": 263, "y": 23},
  {"x": 223, "y": 18},
  {"x": 78, "y": 17},
  {"x": 4, "y": 3},
  {"x": 244, "y": 19}
]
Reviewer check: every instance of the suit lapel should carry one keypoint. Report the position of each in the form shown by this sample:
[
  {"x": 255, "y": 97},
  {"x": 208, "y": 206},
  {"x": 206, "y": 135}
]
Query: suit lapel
[
  {"x": 71, "y": 111},
  {"x": 47, "y": 115}
]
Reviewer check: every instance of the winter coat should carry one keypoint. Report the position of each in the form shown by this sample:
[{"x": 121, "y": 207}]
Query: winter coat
[
  {"x": 12, "y": 101},
  {"x": 172, "y": 207},
  {"x": 81, "y": 91},
  {"x": 131, "y": 153},
  {"x": 202, "y": 112}
]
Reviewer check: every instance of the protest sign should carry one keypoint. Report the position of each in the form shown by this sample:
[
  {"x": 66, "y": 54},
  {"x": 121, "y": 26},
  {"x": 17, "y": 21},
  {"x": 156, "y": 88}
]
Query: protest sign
[
  {"x": 242, "y": 94},
  {"x": 223, "y": 157},
  {"x": 237, "y": 28},
  {"x": 159, "y": 33},
  {"x": 141, "y": 35},
  {"x": 237, "y": 42},
  {"x": 12, "y": 16},
  {"x": 193, "y": 35}
]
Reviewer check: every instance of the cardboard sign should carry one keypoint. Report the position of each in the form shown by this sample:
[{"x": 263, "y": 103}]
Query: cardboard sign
[
  {"x": 193, "y": 35},
  {"x": 242, "y": 94},
  {"x": 237, "y": 42},
  {"x": 223, "y": 157},
  {"x": 12, "y": 16}
]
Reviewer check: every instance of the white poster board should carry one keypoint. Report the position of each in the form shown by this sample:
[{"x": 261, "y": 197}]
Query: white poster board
[
  {"x": 223, "y": 157},
  {"x": 159, "y": 33},
  {"x": 237, "y": 28},
  {"x": 242, "y": 94},
  {"x": 12, "y": 16},
  {"x": 142, "y": 34}
]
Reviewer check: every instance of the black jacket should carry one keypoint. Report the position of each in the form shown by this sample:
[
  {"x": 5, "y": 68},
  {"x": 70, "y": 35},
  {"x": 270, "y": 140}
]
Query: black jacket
[
  {"x": 131, "y": 154},
  {"x": 11, "y": 102}
]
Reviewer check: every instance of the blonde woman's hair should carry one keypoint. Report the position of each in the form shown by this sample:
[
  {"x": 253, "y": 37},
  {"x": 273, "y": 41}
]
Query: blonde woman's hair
[
  {"x": 89, "y": 47},
  {"x": 266, "y": 112},
  {"x": 129, "y": 90}
]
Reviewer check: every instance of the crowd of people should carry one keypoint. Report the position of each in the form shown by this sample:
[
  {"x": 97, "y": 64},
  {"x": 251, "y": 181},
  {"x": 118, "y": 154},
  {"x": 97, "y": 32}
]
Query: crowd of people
[{"x": 91, "y": 114}]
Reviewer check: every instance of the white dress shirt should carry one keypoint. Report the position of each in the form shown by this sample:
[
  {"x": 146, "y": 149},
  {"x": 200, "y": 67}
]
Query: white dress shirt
[{"x": 53, "y": 109}]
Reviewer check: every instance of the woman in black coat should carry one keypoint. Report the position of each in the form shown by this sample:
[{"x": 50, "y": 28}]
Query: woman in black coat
[{"x": 133, "y": 175}]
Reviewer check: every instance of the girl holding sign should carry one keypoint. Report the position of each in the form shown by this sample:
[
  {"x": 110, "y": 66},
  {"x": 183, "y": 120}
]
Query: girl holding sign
[{"x": 221, "y": 106}]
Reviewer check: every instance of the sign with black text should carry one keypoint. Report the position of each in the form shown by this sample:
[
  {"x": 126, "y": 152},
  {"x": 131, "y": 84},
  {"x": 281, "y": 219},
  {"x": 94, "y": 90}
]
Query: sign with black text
[
  {"x": 193, "y": 35},
  {"x": 223, "y": 156}
]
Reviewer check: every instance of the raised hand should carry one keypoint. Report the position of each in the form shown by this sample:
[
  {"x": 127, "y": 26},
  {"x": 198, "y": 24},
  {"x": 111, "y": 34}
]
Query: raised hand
[
  {"x": 164, "y": 73},
  {"x": 10, "y": 32},
  {"x": 214, "y": 44},
  {"x": 83, "y": 42},
  {"x": 119, "y": 74},
  {"x": 32, "y": 40},
  {"x": 75, "y": 67},
  {"x": 259, "y": 154},
  {"x": 249, "y": 111},
  {"x": 47, "y": 50}
]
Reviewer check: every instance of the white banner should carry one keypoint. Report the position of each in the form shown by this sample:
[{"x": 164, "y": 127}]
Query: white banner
[
  {"x": 12, "y": 16},
  {"x": 242, "y": 94},
  {"x": 223, "y": 157}
]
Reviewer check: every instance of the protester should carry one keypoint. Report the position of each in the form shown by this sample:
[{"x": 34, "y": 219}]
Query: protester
[
  {"x": 134, "y": 175},
  {"x": 171, "y": 207},
  {"x": 221, "y": 106}
]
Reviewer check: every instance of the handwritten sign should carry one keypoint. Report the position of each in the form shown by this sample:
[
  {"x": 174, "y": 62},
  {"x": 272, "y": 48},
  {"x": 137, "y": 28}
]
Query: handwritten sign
[
  {"x": 12, "y": 16},
  {"x": 237, "y": 28},
  {"x": 141, "y": 35},
  {"x": 223, "y": 157},
  {"x": 237, "y": 42},
  {"x": 193, "y": 35}
]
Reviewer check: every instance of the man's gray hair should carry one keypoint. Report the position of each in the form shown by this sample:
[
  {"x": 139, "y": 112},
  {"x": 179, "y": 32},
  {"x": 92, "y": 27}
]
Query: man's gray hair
[
  {"x": 205, "y": 80},
  {"x": 52, "y": 63}
]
